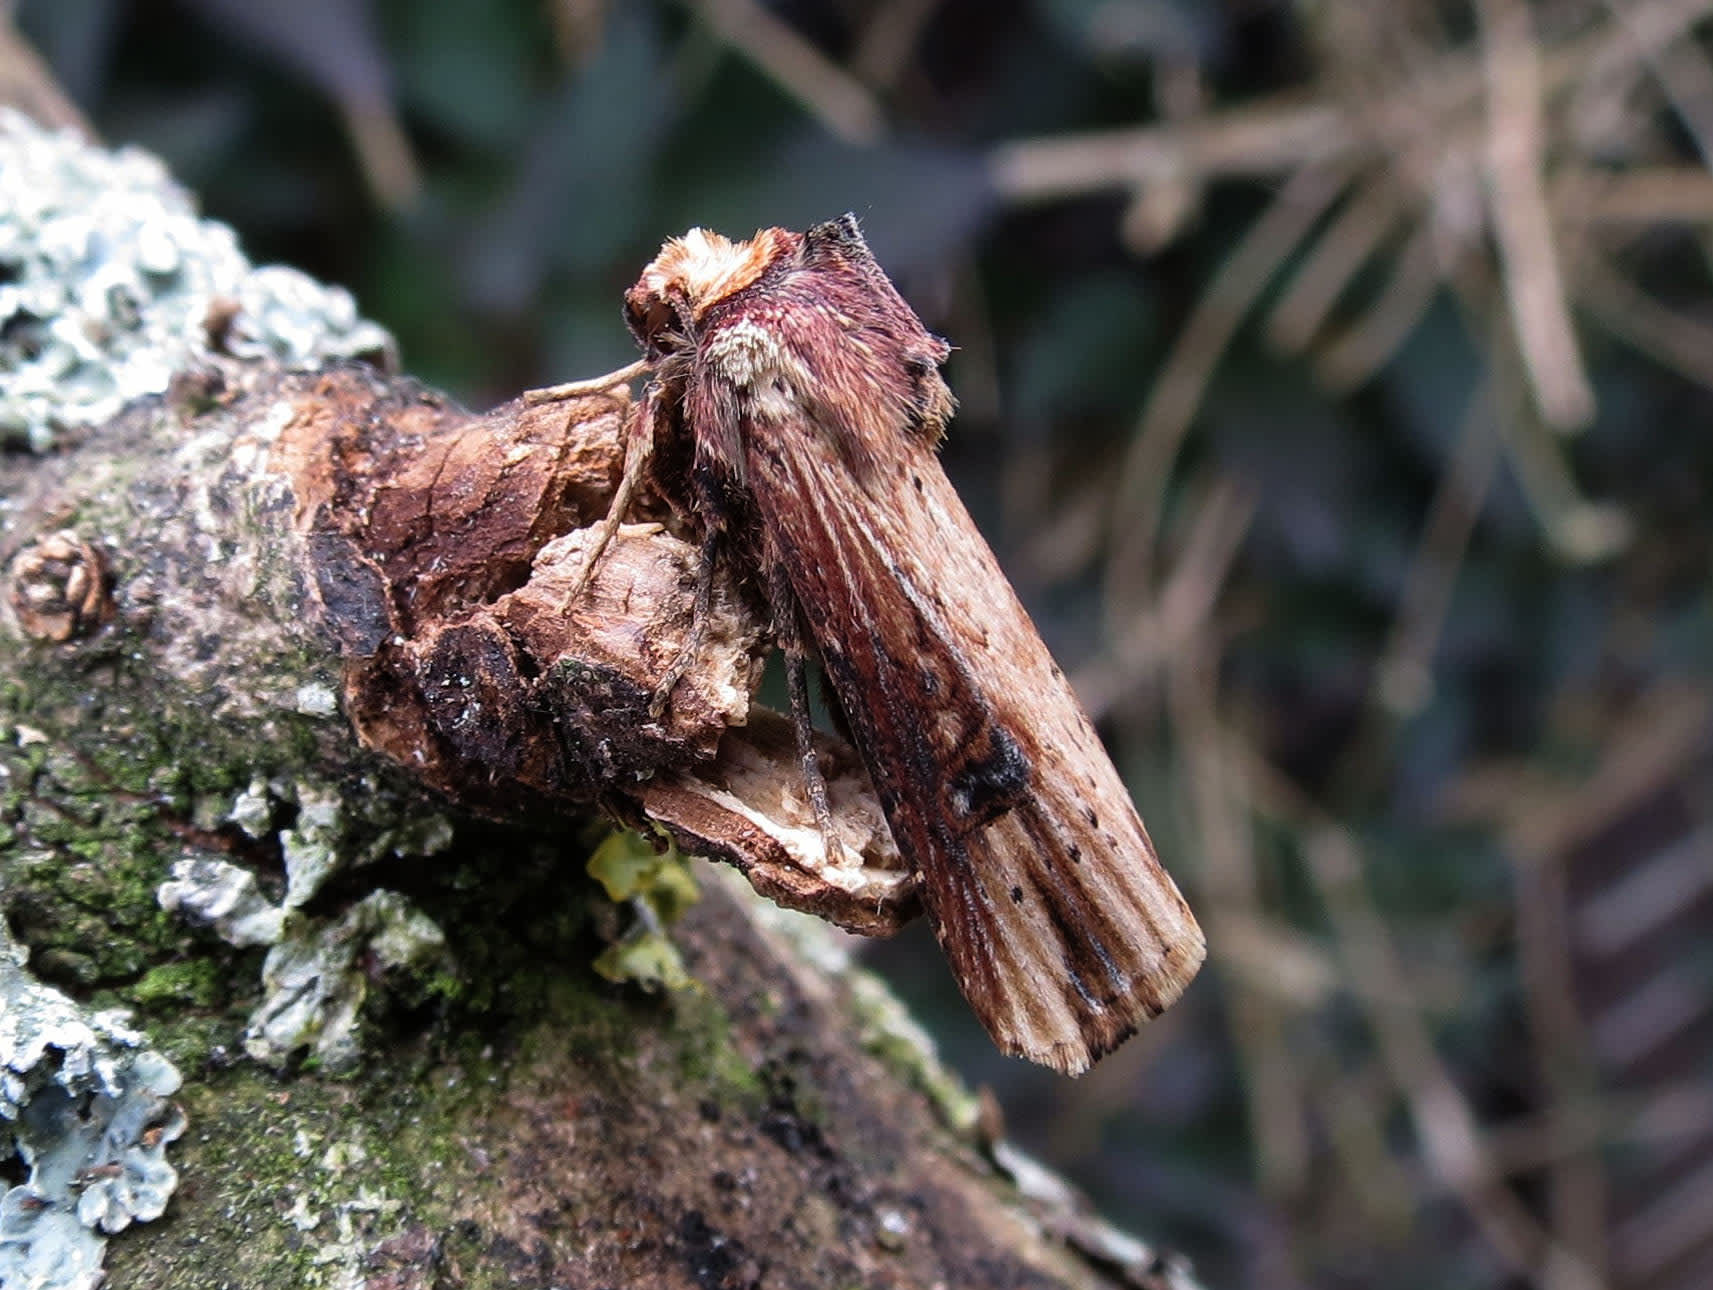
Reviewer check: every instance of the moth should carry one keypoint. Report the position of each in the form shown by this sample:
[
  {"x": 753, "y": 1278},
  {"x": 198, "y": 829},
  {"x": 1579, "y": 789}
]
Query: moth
[{"x": 793, "y": 412}]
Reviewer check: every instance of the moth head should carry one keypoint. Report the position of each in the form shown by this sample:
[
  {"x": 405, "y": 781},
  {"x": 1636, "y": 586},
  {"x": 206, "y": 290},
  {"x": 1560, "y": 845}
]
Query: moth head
[{"x": 692, "y": 274}]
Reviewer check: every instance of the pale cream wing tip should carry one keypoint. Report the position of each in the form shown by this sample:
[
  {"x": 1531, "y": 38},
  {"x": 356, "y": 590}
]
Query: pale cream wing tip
[{"x": 1074, "y": 1057}]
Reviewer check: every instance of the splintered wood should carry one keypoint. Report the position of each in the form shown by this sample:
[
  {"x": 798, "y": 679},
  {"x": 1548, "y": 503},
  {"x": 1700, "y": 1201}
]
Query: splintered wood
[{"x": 443, "y": 549}]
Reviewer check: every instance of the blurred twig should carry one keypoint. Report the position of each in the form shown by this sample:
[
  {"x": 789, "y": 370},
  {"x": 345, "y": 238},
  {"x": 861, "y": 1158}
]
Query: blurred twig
[
  {"x": 577, "y": 26},
  {"x": 1648, "y": 196},
  {"x": 1404, "y": 675},
  {"x": 1343, "y": 247},
  {"x": 1221, "y": 814},
  {"x": 1681, "y": 70},
  {"x": 335, "y": 46},
  {"x": 841, "y": 103},
  {"x": 1445, "y": 1125},
  {"x": 1666, "y": 335},
  {"x": 27, "y": 85},
  {"x": 1140, "y": 495},
  {"x": 1348, "y": 358},
  {"x": 384, "y": 151},
  {"x": 1175, "y": 622},
  {"x": 1523, "y": 227},
  {"x": 1656, "y": 1115},
  {"x": 1471, "y": 140},
  {"x": 1661, "y": 732},
  {"x": 1264, "y": 140},
  {"x": 889, "y": 39},
  {"x": 1576, "y": 1188},
  {"x": 1656, "y": 739},
  {"x": 1580, "y": 531}
]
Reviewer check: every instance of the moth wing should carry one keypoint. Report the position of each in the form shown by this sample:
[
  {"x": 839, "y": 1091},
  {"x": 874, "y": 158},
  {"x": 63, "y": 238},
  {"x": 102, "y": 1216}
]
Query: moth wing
[{"x": 1044, "y": 890}]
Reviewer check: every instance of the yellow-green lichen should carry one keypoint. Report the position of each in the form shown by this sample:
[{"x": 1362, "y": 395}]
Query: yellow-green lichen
[
  {"x": 644, "y": 957},
  {"x": 629, "y": 868},
  {"x": 658, "y": 887}
]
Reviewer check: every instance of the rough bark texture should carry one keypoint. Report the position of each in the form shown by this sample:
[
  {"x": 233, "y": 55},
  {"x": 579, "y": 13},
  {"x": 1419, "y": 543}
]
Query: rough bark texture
[{"x": 310, "y": 630}]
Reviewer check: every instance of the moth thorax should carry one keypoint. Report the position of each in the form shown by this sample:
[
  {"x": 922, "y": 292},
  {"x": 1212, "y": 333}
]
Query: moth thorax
[{"x": 752, "y": 358}]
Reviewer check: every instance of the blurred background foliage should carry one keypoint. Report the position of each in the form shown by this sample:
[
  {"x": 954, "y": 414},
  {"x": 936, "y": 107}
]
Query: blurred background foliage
[{"x": 1335, "y": 384}]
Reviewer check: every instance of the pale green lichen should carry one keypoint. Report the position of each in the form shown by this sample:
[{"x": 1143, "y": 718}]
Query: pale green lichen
[
  {"x": 313, "y": 988},
  {"x": 318, "y": 970},
  {"x": 108, "y": 280},
  {"x": 253, "y": 810},
  {"x": 330, "y": 830},
  {"x": 316, "y": 977},
  {"x": 84, "y": 1103},
  {"x": 311, "y": 847},
  {"x": 225, "y": 897},
  {"x": 317, "y": 701}
]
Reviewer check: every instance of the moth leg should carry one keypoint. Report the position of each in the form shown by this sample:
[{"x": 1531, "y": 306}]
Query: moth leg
[
  {"x": 581, "y": 389},
  {"x": 790, "y": 637},
  {"x": 639, "y": 446},
  {"x": 814, "y": 783},
  {"x": 699, "y": 613}
]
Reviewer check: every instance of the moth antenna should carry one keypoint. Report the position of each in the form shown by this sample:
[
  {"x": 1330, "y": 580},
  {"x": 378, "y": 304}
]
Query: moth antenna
[
  {"x": 698, "y": 632},
  {"x": 583, "y": 389},
  {"x": 639, "y": 446}
]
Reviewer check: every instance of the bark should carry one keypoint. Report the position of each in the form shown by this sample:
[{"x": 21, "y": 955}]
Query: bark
[{"x": 305, "y": 749}]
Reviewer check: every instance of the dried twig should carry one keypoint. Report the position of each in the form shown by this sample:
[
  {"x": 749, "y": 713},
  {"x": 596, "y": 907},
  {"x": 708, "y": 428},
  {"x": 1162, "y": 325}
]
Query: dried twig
[
  {"x": 1683, "y": 73},
  {"x": 1344, "y": 246},
  {"x": 1670, "y": 337},
  {"x": 889, "y": 39},
  {"x": 1580, "y": 531},
  {"x": 1404, "y": 675},
  {"x": 1648, "y": 1117},
  {"x": 1221, "y": 813},
  {"x": 1528, "y": 256},
  {"x": 27, "y": 84},
  {"x": 1263, "y": 140},
  {"x": 841, "y": 103},
  {"x": 1140, "y": 496},
  {"x": 1446, "y": 1126},
  {"x": 384, "y": 150},
  {"x": 1350, "y": 358},
  {"x": 1645, "y": 196},
  {"x": 1576, "y": 1187},
  {"x": 1175, "y": 623}
]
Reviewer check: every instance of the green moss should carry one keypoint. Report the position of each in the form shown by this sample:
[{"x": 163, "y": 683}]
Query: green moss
[
  {"x": 91, "y": 888},
  {"x": 890, "y": 1033},
  {"x": 595, "y": 1022},
  {"x": 322, "y": 1173},
  {"x": 701, "y": 1034},
  {"x": 195, "y": 982}
]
